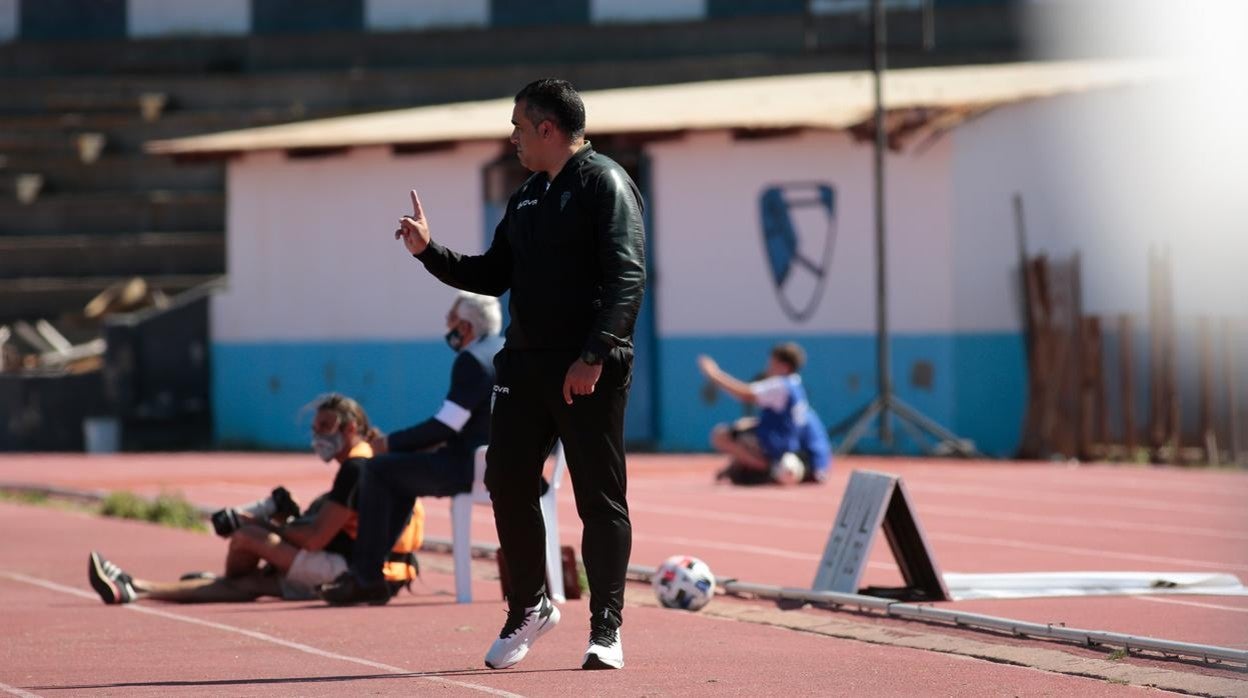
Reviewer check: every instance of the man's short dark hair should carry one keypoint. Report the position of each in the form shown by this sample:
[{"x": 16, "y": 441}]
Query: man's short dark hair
[
  {"x": 790, "y": 353},
  {"x": 556, "y": 100}
]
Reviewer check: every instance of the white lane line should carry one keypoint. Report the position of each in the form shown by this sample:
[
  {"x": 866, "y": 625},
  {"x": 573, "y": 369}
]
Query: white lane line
[
  {"x": 1089, "y": 552},
  {"x": 819, "y": 495},
  {"x": 1088, "y": 523},
  {"x": 1197, "y": 604},
  {"x": 1108, "y": 478},
  {"x": 1113, "y": 502},
  {"x": 727, "y": 517},
  {"x": 790, "y": 524},
  {"x": 15, "y": 691},
  {"x": 263, "y": 637}
]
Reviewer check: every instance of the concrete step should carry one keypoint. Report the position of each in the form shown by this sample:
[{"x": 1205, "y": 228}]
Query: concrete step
[
  {"x": 52, "y": 297},
  {"x": 58, "y": 134},
  {"x": 372, "y": 89},
  {"x": 496, "y": 46},
  {"x": 130, "y": 254},
  {"x": 962, "y": 27},
  {"x": 111, "y": 173},
  {"x": 174, "y": 119},
  {"x": 160, "y": 211}
]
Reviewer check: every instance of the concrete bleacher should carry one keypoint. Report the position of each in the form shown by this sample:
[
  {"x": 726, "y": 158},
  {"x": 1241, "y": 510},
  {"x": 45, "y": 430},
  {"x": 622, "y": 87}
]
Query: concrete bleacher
[{"x": 75, "y": 115}]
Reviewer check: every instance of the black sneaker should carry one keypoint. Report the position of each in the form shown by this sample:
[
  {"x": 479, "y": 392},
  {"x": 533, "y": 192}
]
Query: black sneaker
[
  {"x": 606, "y": 651},
  {"x": 113, "y": 585},
  {"x": 521, "y": 630},
  {"x": 346, "y": 590}
]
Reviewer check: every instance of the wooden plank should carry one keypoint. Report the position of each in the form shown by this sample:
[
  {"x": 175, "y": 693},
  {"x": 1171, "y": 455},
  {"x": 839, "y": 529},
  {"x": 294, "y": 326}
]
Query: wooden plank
[
  {"x": 1127, "y": 384},
  {"x": 1205, "y": 417},
  {"x": 1231, "y": 380},
  {"x": 1174, "y": 425}
]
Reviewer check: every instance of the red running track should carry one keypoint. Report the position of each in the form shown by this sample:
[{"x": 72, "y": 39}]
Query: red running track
[{"x": 979, "y": 517}]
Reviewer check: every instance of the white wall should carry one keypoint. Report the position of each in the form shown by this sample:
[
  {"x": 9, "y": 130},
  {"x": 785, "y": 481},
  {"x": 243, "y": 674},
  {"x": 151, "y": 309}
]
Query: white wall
[
  {"x": 10, "y": 19},
  {"x": 401, "y": 15},
  {"x": 710, "y": 262},
  {"x": 153, "y": 18},
  {"x": 645, "y": 10},
  {"x": 311, "y": 253},
  {"x": 1103, "y": 174}
]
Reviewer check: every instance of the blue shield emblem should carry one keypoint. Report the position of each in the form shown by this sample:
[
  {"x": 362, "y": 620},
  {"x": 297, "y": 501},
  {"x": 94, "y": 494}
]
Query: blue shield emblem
[{"x": 799, "y": 231}]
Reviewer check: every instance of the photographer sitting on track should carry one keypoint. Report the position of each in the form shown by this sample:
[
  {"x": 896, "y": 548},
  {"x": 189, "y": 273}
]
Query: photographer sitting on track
[
  {"x": 787, "y": 442},
  {"x": 271, "y": 554}
]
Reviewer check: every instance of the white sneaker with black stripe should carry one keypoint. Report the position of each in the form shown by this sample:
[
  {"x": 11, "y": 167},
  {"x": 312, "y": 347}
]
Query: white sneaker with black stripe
[
  {"x": 606, "y": 650},
  {"x": 520, "y": 632},
  {"x": 113, "y": 585}
]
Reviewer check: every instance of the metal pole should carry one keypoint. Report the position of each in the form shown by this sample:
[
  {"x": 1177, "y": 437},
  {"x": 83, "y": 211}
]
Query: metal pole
[
  {"x": 882, "y": 357},
  {"x": 885, "y": 405}
]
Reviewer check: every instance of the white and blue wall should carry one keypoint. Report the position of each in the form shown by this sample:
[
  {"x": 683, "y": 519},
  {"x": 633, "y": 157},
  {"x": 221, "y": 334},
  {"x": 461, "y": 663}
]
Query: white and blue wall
[
  {"x": 322, "y": 298},
  {"x": 717, "y": 293}
]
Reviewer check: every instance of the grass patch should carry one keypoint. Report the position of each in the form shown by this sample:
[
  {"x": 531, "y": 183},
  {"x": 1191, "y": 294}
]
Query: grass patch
[
  {"x": 168, "y": 509},
  {"x": 23, "y": 497},
  {"x": 582, "y": 579},
  {"x": 124, "y": 505},
  {"x": 1117, "y": 655}
]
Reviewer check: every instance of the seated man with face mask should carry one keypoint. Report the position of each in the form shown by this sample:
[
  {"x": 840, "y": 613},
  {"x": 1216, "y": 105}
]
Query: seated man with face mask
[{"x": 431, "y": 459}]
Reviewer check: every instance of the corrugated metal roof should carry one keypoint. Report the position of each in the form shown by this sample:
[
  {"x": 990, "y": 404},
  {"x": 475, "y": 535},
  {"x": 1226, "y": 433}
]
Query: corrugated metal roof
[{"x": 832, "y": 101}]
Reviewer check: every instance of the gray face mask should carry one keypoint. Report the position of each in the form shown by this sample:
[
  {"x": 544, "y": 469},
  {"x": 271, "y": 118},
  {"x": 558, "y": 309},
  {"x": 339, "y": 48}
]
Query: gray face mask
[{"x": 327, "y": 446}]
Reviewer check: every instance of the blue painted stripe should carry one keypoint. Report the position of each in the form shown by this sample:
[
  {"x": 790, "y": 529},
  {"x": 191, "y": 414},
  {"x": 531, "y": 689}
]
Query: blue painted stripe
[
  {"x": 990, "y": 384},
  {"x": 977, "y": 383},
  {"x": 260, "y": 390}
]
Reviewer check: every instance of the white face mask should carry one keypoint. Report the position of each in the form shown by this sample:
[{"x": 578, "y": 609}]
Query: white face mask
[{"x": 327, "y": 446}]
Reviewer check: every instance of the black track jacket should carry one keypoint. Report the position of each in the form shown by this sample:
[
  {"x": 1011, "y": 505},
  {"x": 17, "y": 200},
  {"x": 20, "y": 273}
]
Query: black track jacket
[{"x": 572, "y": 254}]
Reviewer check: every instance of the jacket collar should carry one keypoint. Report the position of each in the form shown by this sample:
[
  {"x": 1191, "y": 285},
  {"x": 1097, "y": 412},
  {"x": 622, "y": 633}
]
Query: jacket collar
[{"x": 577, "y": 158}]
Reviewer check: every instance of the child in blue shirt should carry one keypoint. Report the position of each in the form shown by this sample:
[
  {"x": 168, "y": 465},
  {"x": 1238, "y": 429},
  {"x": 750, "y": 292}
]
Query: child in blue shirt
[{"x": 787, "y": 442}]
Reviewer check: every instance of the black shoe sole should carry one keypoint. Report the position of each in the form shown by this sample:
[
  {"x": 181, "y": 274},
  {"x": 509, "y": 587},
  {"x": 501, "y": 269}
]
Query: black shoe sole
[
  {"x": 356, "y": 601},
  {"x": 593, "y": 663},
  {"x": 108, "y": 592}
]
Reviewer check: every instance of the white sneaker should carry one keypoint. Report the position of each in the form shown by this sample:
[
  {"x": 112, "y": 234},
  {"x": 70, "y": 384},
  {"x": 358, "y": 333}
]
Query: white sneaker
[
  {"x": 606, "y": 651},
  {"x": 520, "y": 632}
]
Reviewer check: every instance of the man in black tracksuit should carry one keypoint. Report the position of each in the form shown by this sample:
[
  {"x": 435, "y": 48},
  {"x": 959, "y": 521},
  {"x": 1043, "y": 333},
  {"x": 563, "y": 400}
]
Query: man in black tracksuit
[{"x": 571, "y": 250}]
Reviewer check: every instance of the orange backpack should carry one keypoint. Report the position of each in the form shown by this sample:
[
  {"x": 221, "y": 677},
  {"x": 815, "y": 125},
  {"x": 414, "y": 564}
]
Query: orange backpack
[{"x": 401, "y": 566}]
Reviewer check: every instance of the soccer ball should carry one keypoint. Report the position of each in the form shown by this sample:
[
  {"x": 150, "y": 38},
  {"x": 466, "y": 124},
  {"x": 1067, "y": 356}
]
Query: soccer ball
[
  {"x": 789, "y": 469},
  {"x": 684, "y": 582}
]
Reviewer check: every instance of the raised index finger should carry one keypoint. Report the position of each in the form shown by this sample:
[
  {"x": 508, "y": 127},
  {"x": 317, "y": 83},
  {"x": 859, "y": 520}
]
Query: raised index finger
[{"x": 417, "y": 211}]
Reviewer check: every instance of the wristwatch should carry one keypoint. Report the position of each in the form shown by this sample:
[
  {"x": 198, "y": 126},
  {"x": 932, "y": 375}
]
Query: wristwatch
[{"x": 590, "y": 357}]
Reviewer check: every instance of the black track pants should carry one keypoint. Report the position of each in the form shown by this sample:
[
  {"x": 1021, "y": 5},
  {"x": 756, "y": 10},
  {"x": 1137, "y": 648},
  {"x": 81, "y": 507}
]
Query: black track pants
[{"x": 528, "y": 415}]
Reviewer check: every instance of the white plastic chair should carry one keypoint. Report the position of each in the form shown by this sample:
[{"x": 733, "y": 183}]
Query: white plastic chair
[{"x": 461, "y": 528}]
